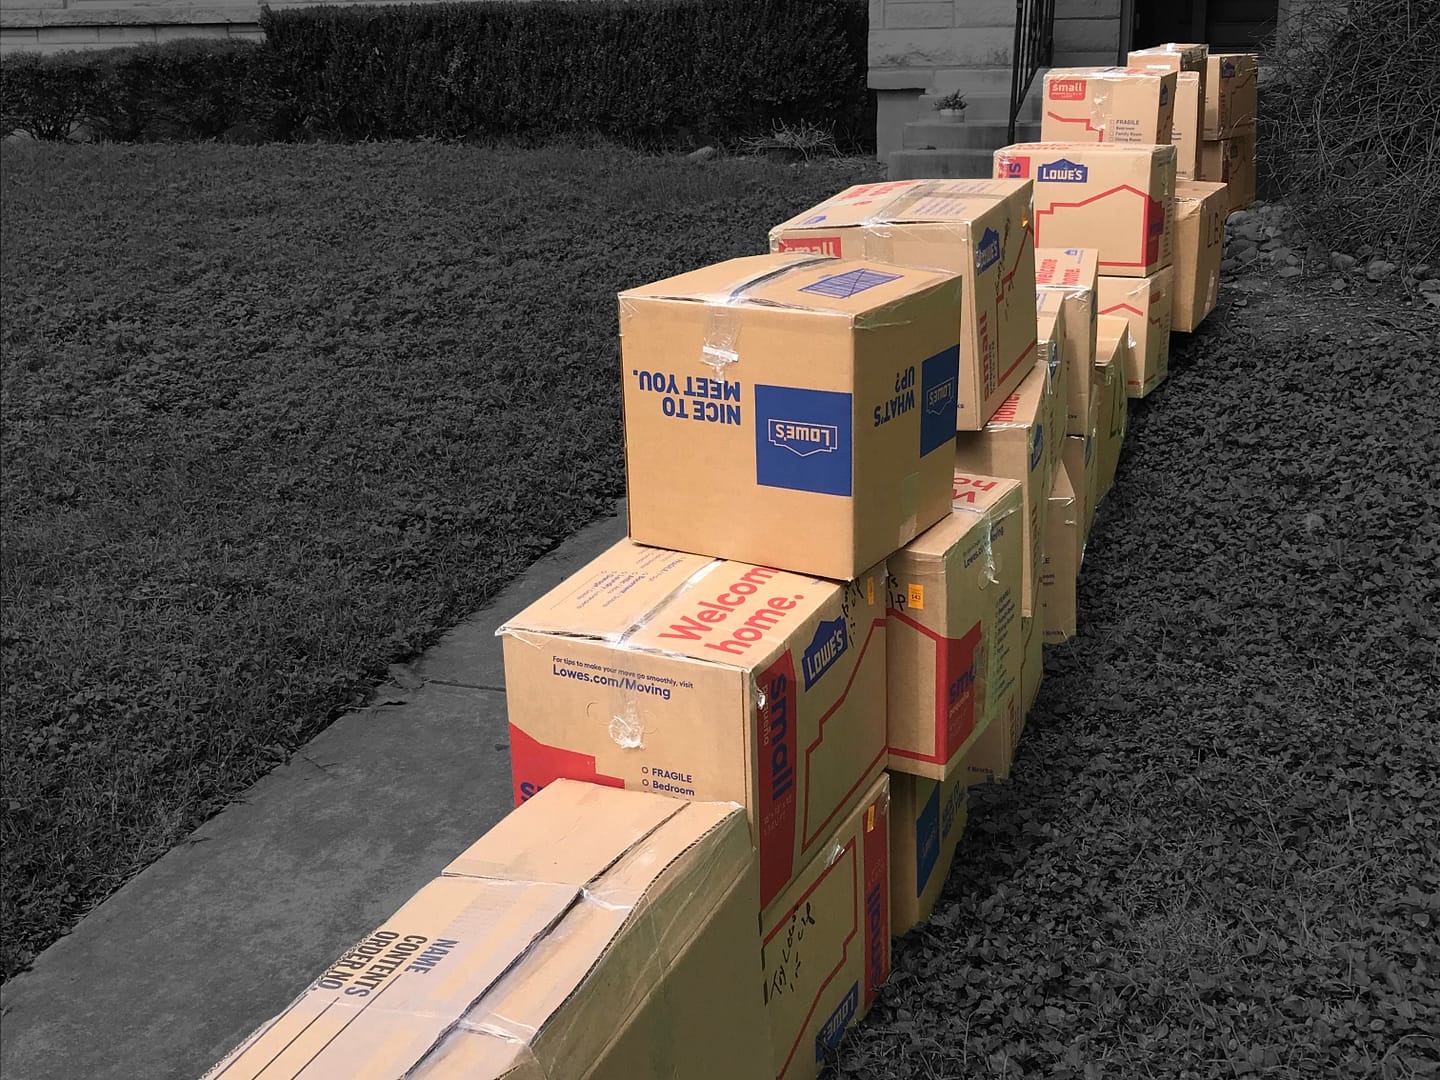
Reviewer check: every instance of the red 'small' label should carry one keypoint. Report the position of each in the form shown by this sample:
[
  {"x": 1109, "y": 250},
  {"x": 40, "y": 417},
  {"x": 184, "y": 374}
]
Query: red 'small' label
[
  {"x": 824, "y": 245},
  {"x": 775, "y": 815},
  {"x": 955, "y": 675},
  {"x": 1067, "y": 89},
  {"x": 534, "y": 764}
]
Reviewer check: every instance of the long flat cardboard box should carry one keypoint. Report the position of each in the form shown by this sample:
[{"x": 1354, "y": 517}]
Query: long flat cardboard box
[
  {"x": 593, "y": 933},
  {"x": 1113, "y": 418},
  {"x": 979, "y": 229},
  {"x": 927, "y": 820},
  {"x": 1200, "y": 211},
  {"x": 1231, "y": 94},
  {"x": 1107, "y": 105},
  {"x": 1014, "y": 446},
  {"x": 826, "y": 941},
  {"x": 952, "y": 645},
  {"x": 1145, "y": 305},
  {"x": 1072, "y": 275},
  {"x": 705, "y": 679},
  {"x": 1110, "y": 197},
  {"x": 793, "y": 410}
]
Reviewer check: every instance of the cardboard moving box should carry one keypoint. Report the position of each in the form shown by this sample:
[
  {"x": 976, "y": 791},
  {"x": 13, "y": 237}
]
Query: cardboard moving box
[
  {"x": 1107, "y": 105},
  {"x": 1231, "y": 98},
  {"x": 1231, "y": 161},
  {"x": 1172, "y": 56},
  {"x": 1145, "y": 304},
  {"x": 826, "y": 942},
  {"x": 705, "y": 679},
  {"x": 593, "y": 934},
  {"x": 979, "y": 229},
  {"x": 1113, "y": 416},
  {"x": 1200, "y": 211},
  {"x": 1113, "y": 198},
  {"x": 927, "y": 820},
  {"x": 952, "y": 637},
  {"x": 1016, "y": 445},
  {"x": 1072, "y": 274},
  {"x": 779, "y": 391},
  {"x": 1189, "y": 124},
  {"x": 1064, "y": 550}
]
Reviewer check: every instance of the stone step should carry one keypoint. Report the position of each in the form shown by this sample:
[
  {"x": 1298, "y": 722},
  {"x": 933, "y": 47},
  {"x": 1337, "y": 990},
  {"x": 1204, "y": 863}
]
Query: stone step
[
  {"x": 952, "y": 135},
  {"x": 941, "y": 164}
]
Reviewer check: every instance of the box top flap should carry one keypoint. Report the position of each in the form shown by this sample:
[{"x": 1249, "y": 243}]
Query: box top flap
[
  {"x": 905, "y": 202},
  {"x": 1022, "y": 408},
  {"x": 801, "y": 281},
  {"x": 653, "y": 600},
  {"x": 1061, "y": 267},
  {"x": 1191, "y": 195},
  {"x": 1105, "y": 74},
  {"x": 978, "y": 502}
]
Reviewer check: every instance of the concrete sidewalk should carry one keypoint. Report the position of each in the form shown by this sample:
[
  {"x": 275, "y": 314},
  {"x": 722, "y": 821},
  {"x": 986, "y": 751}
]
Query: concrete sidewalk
[{"x": 220, "y": 934}]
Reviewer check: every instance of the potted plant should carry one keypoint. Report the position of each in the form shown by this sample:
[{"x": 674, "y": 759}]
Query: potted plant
[{"x": 951, "y": 106}]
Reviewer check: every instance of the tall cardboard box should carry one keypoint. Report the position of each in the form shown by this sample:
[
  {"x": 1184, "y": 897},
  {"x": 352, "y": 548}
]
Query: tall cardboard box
[
  {"x": 1061, "y": 569},
  {"x": 1114, "y": 357},
  {"x": 1071, "y": 275},
  {"x": 1055, "y": 351},
  {"x": 1145, "y": 304},
  {"x": 952, "y": 637},
  {"x": 1113, "y": 198},
  {"x": 1200, "y": 211},
  {"x": 700, "y": 678},
  {"x": 1016, "y": 445},
  {"x": 1178, "y": 57},
  {"x": 927, "y": 820},
  {"x": 826, "y": 941},
  {"x": 979, "y": 229},
  {"x": 1079, "y": 460},
  {"x": 1231, "y": 94},
  {"x": 793, "y": 411},
  {"x": 1189, "y": 123},
  {"x": 1107, "y": 105},
  {"x": 1231, "y": 161},
  {"x": 592, "y": 933}
]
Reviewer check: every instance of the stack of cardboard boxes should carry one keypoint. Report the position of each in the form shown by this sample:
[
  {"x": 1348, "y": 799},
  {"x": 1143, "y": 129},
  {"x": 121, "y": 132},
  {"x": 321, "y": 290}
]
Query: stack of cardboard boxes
[{"x": 862, "y": 472}]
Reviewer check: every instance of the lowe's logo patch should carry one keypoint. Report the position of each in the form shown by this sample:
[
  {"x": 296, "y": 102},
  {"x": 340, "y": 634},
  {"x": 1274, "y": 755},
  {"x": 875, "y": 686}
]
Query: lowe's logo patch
[
  {"x": 803, "y": 439},
  {"x": 829, "y": 644},
  {"x": 1038, "y": 447},
  {"x": 1063, "y": 171},
  {"x": 987, "y": 252},
  {"x": 830, "y": 1033}
]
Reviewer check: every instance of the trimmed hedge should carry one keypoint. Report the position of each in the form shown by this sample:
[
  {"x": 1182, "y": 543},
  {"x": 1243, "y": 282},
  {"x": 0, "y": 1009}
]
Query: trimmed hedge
[{"x": 645, "y": 72}]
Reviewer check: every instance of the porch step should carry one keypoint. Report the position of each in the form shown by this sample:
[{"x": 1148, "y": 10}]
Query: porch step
[
  {"x": 950, "y": 135},
  {"x": 954, "y": 164}
]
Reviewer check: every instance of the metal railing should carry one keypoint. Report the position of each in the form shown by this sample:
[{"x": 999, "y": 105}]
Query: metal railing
[{"x": 1034, "y": 48}]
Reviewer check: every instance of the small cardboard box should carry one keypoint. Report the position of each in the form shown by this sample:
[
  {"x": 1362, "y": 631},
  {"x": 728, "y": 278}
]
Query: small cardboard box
[
  {"x": 1231, "y": 161},
  {"x": 826, "y": 942},
  {"x": 1115, "y": 199},
  {"x": 1034, "y": 667},
  {"x": 1113, "y": 418},
  {"x": 1145, "y": 304},
  {"x": 1016, "y": 445},
  {"x": 592, "y": 933},
  {"x": 1061, "y": 569},
  {"x": 1189, "y": 122},
  {"x": 1108, "y": 105},
  {"x": 705, "y": 679},
  {"x": 1200, "y": 211},
  {"x": 952, "y": 629},
  {"x": 1173, "y": 56},
  {"x": 927, "y": 820},
  {"x": 770, "y": 392},
  {"x": 1073, "y": 275},
  {"x": 979, "y": 229},
  {"x": 1231, "y": 96}
]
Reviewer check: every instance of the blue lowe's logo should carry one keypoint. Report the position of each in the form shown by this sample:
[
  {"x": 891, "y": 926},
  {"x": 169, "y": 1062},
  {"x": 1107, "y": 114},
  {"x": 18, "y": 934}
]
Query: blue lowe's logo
[
  {"x": 987, "y": 252},
  {"x": 804, "y": 439},
  {"x": 1063, "y": 171},
  {"x": 831, "y": 1032},
  {"x": 1037, "y": 448},
  {"x": 829, "y": 644}
]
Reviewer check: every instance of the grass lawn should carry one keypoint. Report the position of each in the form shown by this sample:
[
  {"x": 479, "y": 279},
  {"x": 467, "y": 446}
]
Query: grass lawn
[{"x": 274, "y": 418}]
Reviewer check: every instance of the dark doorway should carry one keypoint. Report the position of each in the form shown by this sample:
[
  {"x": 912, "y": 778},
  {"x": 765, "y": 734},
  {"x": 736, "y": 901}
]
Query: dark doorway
[{"x": 1225, "y": 25}]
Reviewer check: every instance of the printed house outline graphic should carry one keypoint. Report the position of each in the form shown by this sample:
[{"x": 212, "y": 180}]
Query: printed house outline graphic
[{"x": 1126, "y": 188}]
